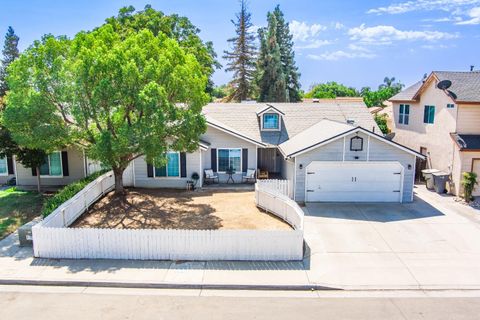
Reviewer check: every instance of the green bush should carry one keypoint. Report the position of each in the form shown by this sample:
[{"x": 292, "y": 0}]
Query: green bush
[
  {"x": 68, "y": 192},
  {"x": 468, "y": 182}
]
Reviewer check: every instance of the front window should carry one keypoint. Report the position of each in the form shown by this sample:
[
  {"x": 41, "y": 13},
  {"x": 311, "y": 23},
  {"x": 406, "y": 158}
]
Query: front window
[
  {"x": 3, "y": 166},
  {"x": 229, "y": 158},
  {"x": 270, "y": 121},
  {"x": 172, "y": 168},
  {"x": 429, "y": 114},
  {"x": 52, "y": 166},
  {"x": 404, "y": 114}
]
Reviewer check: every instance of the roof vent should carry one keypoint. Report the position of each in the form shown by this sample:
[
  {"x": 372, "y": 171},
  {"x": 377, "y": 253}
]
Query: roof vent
[
  {"x": 316, "y": 100},
  {"x": 351, "y": 121},
  {"x": 472, "y": 68}
]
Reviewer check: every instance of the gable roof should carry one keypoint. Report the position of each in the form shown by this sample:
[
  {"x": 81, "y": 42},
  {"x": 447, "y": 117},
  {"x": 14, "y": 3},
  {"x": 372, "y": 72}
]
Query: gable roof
[
  {"x": 222, "y": 127},
  {"x": 242, "y": 119},
  {"x": 328, "y": 131},
  {"x": 268, "y": 107},
  {"x": 465, "y": 86},
  {"x": 322, "y": 131}
]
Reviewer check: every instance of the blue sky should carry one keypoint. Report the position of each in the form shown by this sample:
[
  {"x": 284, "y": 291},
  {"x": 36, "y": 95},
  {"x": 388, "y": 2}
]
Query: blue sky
[{"x": 357, "y": 43}]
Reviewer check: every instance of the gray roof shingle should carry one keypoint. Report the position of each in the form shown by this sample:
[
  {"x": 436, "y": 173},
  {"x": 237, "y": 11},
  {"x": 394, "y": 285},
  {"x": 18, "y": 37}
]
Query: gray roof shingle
[
  {"x": 465, "y": 86},
  {"x": 242, "y": 117}
]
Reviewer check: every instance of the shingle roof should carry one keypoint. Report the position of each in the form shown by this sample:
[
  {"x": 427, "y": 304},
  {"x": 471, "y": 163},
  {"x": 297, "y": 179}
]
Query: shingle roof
[
  {"x": 242, "y": 117},
  {"x": 465, "y": 86},
  {"x": 408, "y": 93},
  {"x": 467, "y": 141},
  {"x": 316, "y": 134}
]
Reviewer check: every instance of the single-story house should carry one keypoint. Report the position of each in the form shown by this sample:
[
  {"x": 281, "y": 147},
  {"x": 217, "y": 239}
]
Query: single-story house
[
  {"x": 7, "y": 169},
  {"x": 330, "y": 150}
]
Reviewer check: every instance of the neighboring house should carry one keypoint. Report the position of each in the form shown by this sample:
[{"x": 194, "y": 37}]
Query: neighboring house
[
  {"x": 7, "y": 169},
  {"x": 442, "y": 124},
  {"x": 329, "y": 151}
]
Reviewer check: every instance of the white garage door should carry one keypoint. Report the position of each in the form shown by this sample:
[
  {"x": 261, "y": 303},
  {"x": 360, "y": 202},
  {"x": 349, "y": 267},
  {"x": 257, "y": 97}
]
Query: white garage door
[{"x": 354, "y": 181}]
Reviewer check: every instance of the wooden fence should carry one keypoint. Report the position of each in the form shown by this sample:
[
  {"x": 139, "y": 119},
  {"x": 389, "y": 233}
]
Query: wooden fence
[{"x": 52, "y": 238}]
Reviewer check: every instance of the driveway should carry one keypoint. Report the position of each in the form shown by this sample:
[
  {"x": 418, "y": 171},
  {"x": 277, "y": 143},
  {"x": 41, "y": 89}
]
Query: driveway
[{"x": 430, "y": 243}]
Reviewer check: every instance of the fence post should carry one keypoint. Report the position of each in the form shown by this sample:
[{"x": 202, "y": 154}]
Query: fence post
[{"x": 63, "y": 218}]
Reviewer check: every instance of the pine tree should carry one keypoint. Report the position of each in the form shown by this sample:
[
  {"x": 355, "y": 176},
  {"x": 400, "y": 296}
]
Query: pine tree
[
  {"x": 10, "y": 53},
  {"x": 287, "y": 56},
  {"x": 242, "y": 58},
  {"x": 271, "y": 79}
]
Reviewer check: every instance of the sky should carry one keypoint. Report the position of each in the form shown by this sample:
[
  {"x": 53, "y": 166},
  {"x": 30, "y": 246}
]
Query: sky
[{"x": 353, "y": 42}]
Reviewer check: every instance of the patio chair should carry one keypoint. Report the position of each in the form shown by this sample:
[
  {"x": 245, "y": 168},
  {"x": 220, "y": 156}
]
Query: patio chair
[
  {"x": 249, "y": 176},
  {"x": 211, "y": 176},
  {"x": 262, "y": 174}
]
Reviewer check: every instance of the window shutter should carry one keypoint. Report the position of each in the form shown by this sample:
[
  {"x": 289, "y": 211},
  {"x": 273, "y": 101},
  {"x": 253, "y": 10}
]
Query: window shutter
[
  {"x": 214, "y": 159},
  {"x": 183, "y": 164},
  {"x": 425, "y": 114},
  {"x": 244, "y": 160},
  {"x": 149, "y": 170},
  {"x": 65, "y": 164},
  {"x": 10, "y": 165},
  {"x": 432, "y": 114},
  {"x": 34, "y": 172}
]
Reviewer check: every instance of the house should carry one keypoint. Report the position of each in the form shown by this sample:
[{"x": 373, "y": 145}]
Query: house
[
  {"x": 443, "y": 124},
  {"x": 331, "y": 150}
]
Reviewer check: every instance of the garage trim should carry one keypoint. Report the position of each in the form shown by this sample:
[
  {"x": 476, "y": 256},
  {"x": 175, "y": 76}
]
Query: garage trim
[{"x": 402, "y": 172}]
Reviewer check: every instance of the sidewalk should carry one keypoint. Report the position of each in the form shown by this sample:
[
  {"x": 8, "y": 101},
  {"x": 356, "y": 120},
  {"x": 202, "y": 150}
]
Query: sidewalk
[{"x": 321, "y": 268}]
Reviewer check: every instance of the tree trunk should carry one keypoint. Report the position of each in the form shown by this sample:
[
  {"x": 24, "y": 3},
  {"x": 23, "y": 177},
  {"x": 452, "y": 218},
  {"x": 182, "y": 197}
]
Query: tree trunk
[
  {"x": 39, "y": 184},
  {"x": 118, "y": 174}
]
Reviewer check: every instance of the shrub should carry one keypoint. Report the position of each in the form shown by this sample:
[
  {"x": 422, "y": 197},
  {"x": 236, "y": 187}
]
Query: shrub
[
  {"x": 468, "y": 182},
  {"x": 68, "y": 192}
]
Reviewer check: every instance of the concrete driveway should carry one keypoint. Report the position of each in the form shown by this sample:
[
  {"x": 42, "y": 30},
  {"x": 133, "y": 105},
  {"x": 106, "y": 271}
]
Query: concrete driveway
[{"x": 430, "y": 243}]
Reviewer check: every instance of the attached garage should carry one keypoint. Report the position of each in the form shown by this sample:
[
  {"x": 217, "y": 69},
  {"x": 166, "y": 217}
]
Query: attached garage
[
  {"x": 354, "y": 181},
  {"x": 338, "y": 162}
]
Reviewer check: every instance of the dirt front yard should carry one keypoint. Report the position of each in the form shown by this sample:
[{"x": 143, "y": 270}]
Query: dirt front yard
[{"x": 178, "y": 209}]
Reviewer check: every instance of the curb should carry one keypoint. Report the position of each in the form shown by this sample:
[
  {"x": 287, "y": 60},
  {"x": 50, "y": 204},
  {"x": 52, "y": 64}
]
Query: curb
[{"x": 145, "y": 285}]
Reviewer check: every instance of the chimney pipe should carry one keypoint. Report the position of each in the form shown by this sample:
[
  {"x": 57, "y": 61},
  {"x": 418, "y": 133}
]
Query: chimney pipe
[{"x": 471, "y": 68}]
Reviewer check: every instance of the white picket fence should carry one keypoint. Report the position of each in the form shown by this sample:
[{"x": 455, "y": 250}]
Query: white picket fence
[
  {"x": 52, "y": 238},
  {"x": 282, "y": 186}
]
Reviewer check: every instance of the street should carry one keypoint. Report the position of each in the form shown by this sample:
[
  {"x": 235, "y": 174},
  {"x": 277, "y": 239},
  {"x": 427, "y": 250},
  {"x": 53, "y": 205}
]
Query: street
[{"x": 22, "y": 302}]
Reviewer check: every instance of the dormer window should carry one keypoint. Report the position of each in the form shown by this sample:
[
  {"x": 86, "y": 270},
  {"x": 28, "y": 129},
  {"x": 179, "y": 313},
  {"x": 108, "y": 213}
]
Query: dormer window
[{"x": 271, "y": 121}]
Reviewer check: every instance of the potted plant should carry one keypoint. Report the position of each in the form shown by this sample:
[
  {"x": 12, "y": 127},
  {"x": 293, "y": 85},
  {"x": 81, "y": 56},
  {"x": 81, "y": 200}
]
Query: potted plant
[{"x": 468, "y": 182}]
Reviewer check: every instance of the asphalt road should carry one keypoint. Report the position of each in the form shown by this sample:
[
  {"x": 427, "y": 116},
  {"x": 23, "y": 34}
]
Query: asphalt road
[{"x": 123, "y": 304}]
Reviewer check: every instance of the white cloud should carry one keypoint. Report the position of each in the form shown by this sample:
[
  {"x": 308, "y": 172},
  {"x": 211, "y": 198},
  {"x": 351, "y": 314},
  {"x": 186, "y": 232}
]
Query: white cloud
[
  {"x": 454, "y": 6},
  {"x": 474, "y": 15},
  {"x": 302, "y": 31},
  {"x": 340, "y": 54},
  {"x": 387, "y": 34},
  {"x": 339, "y": 26},
  {"x": 356, "y": 47},
  {"x": 314, "y": 44}
]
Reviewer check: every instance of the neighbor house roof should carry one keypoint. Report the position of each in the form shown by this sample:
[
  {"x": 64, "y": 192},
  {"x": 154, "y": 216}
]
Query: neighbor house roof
[
  {"x": 465, "y": 86},
  {"x": 467, "y": 142},
  {"x": 242, "y": 118}
]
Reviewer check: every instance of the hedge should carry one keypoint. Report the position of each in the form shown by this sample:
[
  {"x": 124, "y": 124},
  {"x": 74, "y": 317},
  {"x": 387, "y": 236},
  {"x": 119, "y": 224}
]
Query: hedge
[{"x": 68, "y": 192}]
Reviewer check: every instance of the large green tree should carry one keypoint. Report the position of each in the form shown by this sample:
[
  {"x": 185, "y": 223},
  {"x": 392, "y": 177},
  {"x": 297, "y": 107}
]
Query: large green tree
[
  {"x": 287, "y": 56},
  {"x": 386, "y": 90},
  {"x": 30, "y": 158},
  {"x": 270, "y": 76},
  {"x": 176, "y": 27},
  {"x": 118, "y": 95},
  {"x": 242, "y": 58}
]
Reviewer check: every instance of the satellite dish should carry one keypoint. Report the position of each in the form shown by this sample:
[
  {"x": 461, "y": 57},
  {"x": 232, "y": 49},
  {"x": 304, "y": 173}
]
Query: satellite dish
[{"x": 444, "y": 84}]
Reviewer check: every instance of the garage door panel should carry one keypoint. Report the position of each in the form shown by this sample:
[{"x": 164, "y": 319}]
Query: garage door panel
[{"x": 354, "y": 182}]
